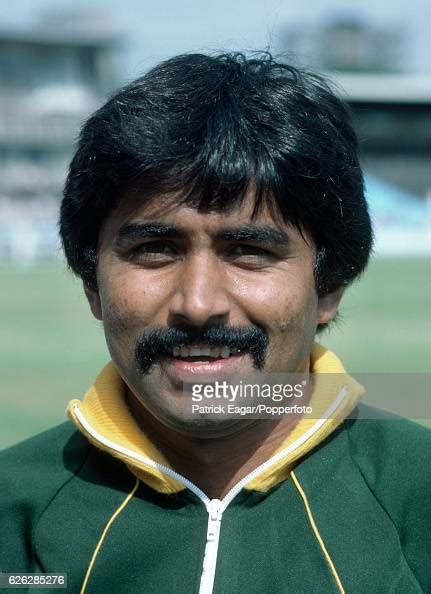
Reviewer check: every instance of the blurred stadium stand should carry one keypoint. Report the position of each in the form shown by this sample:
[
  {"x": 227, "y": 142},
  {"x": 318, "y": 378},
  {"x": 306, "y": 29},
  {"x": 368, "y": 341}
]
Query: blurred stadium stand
[
  {"x": 392, "y": 116},
  {"x": 54, "y": 75},
  {"x": 51, "y": 78},
  {"x": 402, "y": 221}
]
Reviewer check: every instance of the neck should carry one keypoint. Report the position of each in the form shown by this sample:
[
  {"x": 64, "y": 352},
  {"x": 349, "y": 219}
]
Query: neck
[{"x": 217, "y": 464}]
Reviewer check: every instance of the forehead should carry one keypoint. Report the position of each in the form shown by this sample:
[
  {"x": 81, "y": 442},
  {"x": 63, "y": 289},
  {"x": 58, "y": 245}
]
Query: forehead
[{"x": 166, "y": 208}]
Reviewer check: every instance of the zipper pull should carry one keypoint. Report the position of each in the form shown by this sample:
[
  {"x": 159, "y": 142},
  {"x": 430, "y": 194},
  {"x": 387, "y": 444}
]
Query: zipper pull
[{"x": 214, "y": 519}]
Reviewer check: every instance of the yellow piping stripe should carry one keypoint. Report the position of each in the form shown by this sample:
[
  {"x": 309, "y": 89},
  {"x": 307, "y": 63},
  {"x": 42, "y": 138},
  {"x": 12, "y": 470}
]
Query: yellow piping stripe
[
  {"x": 104, "y": 533},
  {"x": 317, "y": 534}
]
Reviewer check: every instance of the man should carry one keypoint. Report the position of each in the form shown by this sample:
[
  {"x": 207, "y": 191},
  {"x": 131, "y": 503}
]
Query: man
[{"x": 214, "y": 210}]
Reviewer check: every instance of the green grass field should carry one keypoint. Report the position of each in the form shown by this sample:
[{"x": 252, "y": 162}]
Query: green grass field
[{"x": 52, "y": 348}]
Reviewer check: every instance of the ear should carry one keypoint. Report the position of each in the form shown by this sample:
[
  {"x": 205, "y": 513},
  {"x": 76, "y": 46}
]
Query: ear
[
  {"x": 327, "y": 306},
  {"x": 94, "y": 301}
]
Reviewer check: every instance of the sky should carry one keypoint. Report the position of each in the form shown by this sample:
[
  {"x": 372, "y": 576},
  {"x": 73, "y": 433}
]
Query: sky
[{"x": 158, "y": 29}]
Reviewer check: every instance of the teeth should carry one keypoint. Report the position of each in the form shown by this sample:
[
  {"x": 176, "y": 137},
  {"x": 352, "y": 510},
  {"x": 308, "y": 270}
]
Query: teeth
[
  {"x": 225, "y": 352},
  {"x": 204, "y": 351}
]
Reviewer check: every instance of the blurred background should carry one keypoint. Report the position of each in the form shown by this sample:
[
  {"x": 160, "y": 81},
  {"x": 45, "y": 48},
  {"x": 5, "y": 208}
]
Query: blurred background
[{"x": 60, "y": 59}]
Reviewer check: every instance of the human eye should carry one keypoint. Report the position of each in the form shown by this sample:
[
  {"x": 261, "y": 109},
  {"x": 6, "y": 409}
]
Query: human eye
[
  {"x": 250, "y": 255},
  {"x": 154, "y": 252}
]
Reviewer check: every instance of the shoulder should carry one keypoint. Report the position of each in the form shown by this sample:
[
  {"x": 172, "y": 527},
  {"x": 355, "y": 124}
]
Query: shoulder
[
  {"x": 38, "y": 466},
  {"x": 32, "y": 473},
  {"x": 382, "y": 441},
  {"x": 393, "y": 455},
  {"x": 48, "y": 444}
]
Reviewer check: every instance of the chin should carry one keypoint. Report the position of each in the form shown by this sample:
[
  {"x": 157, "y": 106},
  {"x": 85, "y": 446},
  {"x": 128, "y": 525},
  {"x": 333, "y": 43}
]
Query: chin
[{"x": 204, "y": 428}]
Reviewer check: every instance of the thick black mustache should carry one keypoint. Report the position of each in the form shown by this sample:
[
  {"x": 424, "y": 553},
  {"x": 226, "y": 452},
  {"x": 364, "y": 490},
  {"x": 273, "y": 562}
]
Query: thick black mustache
[{"x": 157, "y": 342}]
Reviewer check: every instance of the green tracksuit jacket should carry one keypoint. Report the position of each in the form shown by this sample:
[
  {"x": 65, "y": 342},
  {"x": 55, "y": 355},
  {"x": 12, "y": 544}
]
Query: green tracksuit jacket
[{"x": 354, "y": 517}]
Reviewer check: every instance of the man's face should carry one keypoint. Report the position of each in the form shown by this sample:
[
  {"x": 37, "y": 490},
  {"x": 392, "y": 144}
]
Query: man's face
[{"x": 171, "y": 278}]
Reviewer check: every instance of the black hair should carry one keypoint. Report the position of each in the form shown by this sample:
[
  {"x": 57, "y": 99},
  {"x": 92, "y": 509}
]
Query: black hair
[{"x": 212, "y": 127}]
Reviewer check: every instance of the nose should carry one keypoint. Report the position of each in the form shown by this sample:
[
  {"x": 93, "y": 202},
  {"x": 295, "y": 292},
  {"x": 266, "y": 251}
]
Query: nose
[{"x": 201, "y": 297}]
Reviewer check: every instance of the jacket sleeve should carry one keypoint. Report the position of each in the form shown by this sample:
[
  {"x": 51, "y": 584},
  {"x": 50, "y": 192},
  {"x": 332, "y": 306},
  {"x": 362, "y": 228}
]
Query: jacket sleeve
[
  {"x": 31, "y": 473},
  {"x": 394, "y": 457}
]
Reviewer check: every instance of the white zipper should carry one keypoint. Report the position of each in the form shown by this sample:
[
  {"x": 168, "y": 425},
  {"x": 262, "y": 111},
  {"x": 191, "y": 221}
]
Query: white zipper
[{"x": 214, "y": 507}]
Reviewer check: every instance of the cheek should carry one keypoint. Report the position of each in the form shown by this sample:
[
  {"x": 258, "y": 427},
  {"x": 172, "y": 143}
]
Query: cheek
[
  {"x": 117, "y": 319},
  {"x": 122, "y": 320},
  {"x": 130, "y": 301},
  {"x": 295, "y": 318},
  {"x": 292, "y": 333},
  {"x": 282, "y": 304}
]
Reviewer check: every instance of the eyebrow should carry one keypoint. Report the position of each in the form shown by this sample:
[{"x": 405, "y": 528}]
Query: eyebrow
[
  {"x": 260, "y": 233},
  {"x": 135, "y": 231}
]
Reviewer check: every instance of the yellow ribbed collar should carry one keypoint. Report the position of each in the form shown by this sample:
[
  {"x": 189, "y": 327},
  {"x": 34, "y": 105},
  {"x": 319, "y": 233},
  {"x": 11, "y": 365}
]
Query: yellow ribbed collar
[{"x": 104, "y": 408}]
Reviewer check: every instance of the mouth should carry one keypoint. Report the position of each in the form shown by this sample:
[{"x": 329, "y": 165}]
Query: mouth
[{"x": 196, "y": 363}]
